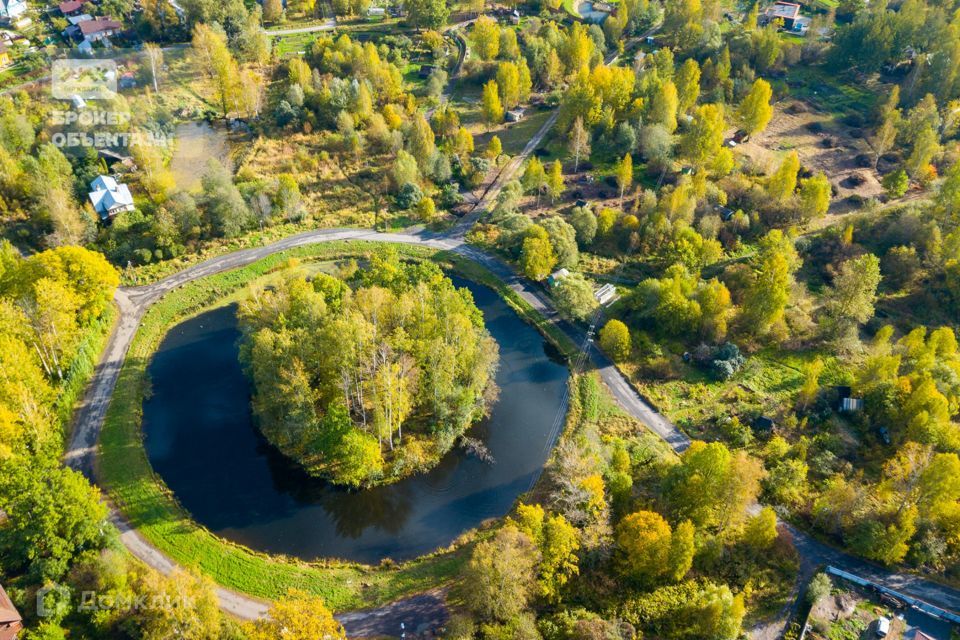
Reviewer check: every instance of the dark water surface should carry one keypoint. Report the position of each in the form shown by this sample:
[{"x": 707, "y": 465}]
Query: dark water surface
[{"x": 201, "y": 439}]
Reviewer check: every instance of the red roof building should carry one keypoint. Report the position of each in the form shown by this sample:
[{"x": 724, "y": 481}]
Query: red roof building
[
  {"x": 99, "y": 28},
  {"x": 70, "y": 7},
  {"x": 11, "y": 623}
]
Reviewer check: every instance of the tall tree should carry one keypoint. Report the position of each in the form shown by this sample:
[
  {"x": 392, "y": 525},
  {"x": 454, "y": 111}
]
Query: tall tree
[
  {"x": 755, "y": 111},
  {"x": 783, "y": 182},
  {"x": 688, "y": 85},
  {"x": 849, "y": 302},
  {"x": 217, "y": 63},
  {"x": 491, "y": 105},
  {"x": 537, "y": 257},
  {"x": 499, "y": 579},
  {"x": 485, "y": 37},
  {"x": 624, "y": 174},
  {"x": 578, "y": 142}
]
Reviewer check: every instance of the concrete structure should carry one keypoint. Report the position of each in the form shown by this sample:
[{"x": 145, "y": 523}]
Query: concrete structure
[
  {"x": 109, "y": 197},
  {"x": 606, "y": 294}
]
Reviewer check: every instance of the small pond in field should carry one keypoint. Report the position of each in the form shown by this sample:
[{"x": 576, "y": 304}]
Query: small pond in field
[{"x": 201, "y": 439}]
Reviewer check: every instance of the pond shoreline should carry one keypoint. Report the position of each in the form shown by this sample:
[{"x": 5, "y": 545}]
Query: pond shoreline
[
  {"x": 201, "y": 439},
  {"x": 126, "y": 475}
]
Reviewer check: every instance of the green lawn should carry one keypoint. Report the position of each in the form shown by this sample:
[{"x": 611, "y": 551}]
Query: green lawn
[
  {"x": 288, "y": 46},
  {"x": 768, "y": 381},
  {"x": 126, "y": 474},
  {"x": 516, "y": 136},
  {"x": 834, "y": 93}
]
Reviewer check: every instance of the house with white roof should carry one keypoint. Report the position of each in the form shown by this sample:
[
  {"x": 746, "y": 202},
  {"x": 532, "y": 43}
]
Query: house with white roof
[
  {"x": 10, "y": 10},
  {"x": 110, "y": 197}
]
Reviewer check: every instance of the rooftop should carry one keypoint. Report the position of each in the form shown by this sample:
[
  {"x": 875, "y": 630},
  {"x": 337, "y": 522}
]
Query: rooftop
[
  {"x": 10, "y": 620},
  {"x": 91, "y": 27},
  {"x": 783, "y": 10},
  {"x": 70, "y": 6}
]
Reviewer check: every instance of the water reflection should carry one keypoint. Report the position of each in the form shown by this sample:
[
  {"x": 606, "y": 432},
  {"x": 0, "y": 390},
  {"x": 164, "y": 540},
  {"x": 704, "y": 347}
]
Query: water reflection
[{"x": 201, "y": 439}]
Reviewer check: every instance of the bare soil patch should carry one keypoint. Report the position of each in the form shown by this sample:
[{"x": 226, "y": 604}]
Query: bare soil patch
[{"x": 823, "y": 144}]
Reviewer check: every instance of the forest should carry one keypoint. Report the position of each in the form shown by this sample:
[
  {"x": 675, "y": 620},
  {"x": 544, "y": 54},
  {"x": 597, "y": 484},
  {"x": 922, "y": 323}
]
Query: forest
[
  {"x": 777, "y": 214},
  {"x": 369, "y": 376}
]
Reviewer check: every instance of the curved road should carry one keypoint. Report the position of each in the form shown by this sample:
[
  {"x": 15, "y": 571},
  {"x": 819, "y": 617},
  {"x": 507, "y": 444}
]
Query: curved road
[
  {"x": 426, "y": 610},
  {"x": 416, "y": 610}
]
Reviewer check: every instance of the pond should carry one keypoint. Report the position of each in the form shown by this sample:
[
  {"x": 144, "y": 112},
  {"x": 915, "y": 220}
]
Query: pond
[
  {"x": 200, "y": 438},
  {"x": 196, "y": 143}
]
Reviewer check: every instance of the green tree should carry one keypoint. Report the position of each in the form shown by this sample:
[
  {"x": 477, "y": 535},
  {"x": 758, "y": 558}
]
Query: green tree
[
  {"x": 896, "y": 183},
  {"x": 849, "y": 302},
  {"x": 819, "y": 587},
  {"x": 578, "y": 142},
  {"x": 886, "y": 133},
  {"x": 783, "y": 182},
  {"x": 297, "y": 616},
  {"x": 226, "y": 210},
  {"x": 491, "y": 106},
  {"x": 429, "y": 14},
  {"x": 712, "y": 486},
  {"x": 500, "y": 576},
  {"x": 53, "y": 517},
  {"x": 925, "y": 147},
  {"x": 563, "y": 239},
  {"x": 574, "y": 297},
  {"x": 615, "y": 340},
  {"x": 485, "y": 38},
  {"x": 688, "y": 85},
  {"x": 624, "y": 175},
  {"x": 755, "y": 111},
  {"x": 555, "y": 182},
  {"x": 769, "y": 287},
  {"x": 537, "y": 258},
  {"x": 585, "y": 223}
]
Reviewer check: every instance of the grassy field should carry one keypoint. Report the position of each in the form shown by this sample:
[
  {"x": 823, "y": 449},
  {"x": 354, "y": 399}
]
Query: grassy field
[
  {"x": 768, "y": 381},
  {"x": 292, "y": 45},
  {"x": 125, "y": 471}
]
